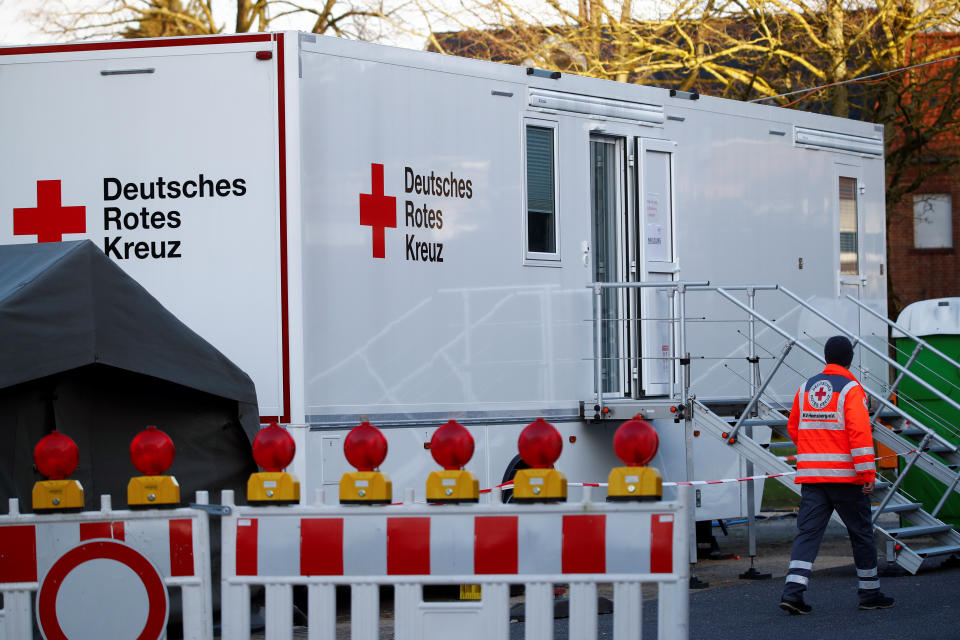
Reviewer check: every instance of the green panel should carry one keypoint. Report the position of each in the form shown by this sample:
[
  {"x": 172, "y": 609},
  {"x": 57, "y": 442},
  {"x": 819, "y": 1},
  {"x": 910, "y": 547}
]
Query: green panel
[{"x": 932, "y": 412}]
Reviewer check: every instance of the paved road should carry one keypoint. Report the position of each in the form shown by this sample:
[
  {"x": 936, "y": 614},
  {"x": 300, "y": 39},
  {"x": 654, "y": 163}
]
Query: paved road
[{"x": 927, "y": 609}]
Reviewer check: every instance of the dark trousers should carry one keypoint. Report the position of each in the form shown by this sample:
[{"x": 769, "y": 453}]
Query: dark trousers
[{"x": 817, "y": 503}]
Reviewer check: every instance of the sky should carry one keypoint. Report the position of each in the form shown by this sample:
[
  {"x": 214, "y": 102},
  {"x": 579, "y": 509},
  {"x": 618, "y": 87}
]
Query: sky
[{"x": 16, "y": 27}]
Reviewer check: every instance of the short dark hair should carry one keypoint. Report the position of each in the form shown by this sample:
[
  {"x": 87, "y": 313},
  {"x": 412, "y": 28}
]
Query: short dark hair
[{"x": 838, "y": 350}]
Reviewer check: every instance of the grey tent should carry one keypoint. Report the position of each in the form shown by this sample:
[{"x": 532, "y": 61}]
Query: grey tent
[{"x": 84, "y": 348}]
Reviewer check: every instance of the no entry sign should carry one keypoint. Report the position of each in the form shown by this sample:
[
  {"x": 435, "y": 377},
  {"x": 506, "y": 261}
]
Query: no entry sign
[{"x": 102, "y": 589}]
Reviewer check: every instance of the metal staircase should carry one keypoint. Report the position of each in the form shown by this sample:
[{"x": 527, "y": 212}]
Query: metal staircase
[
  {"x": 910, "y": 556},
  {"x": 919, "y": 534}
]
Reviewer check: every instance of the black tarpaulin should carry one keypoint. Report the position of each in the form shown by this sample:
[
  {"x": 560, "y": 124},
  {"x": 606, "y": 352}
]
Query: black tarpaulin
[{"x": 86, "y": 349}]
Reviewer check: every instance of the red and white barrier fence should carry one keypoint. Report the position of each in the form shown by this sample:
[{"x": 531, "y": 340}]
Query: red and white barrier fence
[
  {"x": 493, "y": 545},
  {"x": 106, "y": 573}
]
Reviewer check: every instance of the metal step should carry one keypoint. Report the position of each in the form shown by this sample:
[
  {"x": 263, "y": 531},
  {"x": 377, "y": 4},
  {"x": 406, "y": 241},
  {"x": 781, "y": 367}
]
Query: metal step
[
  {"x": 909, "y": 532},
  {"x": 943, "y": 550},
  {"x": 904, "y": 507},
  {"x": 941, "y": 448},
  {"x": 910, "y": 430}
]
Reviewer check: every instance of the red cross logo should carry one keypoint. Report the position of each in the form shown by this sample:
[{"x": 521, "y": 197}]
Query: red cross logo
[
  {"x": 820, "y": 393},
  {"x": 378, "y": 211},
  {"x": 49, "y": 220}
]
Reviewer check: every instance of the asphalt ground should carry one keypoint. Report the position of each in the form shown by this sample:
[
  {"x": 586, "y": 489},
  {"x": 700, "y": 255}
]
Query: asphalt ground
[{"x": 927, "y": 604}]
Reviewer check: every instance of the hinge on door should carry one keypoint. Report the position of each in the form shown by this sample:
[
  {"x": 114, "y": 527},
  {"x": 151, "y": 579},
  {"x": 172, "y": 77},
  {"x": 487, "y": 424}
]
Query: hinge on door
[
  {"x": 633, "y": 267},
  {"x": 630, "y": 160}
]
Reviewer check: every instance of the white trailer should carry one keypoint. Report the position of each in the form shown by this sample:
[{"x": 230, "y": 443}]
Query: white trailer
[{"x": 406, "y": 237}]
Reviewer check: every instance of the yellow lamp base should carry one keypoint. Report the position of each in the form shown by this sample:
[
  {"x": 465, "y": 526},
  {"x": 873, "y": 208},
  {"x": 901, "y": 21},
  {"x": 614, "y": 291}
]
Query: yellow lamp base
[
  {"x": 153, "y": 491},
  {"x": 539, "y": 485},
  {"x": 57, "y": 495},
  {"x": 634, "y": 483},
  {"x": 471, "y": 592},
  {"x": 273, "y": 487},
  {"x": 452, "y": 485},
  {"x": 365, "y": 487}
]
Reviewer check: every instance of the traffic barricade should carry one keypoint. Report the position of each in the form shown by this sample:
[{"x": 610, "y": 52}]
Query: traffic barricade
[
  {"x": 106, "y": 573},
  {"x": 494, "y": 545}
]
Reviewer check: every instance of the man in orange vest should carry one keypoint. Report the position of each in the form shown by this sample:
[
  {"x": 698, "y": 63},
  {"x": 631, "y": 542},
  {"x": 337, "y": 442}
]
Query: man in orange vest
[{"x": 830, "y": 425}]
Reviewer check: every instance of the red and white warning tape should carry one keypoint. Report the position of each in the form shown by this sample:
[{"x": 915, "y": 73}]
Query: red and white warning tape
[{"x": 509, "y": 483}]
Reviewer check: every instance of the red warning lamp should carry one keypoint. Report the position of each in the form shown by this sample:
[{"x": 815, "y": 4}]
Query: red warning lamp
[
  {"x": 273, "y": 448},
  {"x": 56, "y": 455},
  {"x": 152, "y": 451},
  {"x": 452, "y": 448},
  {"x": 540, "y": 444},
  {"x": 365, "y": 447},
  {"x": 636, "y": 442}
]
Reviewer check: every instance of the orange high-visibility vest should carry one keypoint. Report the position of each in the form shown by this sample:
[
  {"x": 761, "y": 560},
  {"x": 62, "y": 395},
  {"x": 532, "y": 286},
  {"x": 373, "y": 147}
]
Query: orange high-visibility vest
[{"x": 830, "y": 425}]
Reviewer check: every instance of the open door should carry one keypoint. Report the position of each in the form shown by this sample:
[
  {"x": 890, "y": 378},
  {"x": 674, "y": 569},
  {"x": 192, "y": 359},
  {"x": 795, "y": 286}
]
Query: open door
[{"x": 657, "y": 262}]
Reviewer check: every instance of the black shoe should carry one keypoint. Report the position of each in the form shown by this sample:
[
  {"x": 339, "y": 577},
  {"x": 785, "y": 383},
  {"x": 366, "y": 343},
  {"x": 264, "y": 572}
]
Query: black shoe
[
  {"x": 876, "y": 601},
  {"x": 795, "y": 606}
]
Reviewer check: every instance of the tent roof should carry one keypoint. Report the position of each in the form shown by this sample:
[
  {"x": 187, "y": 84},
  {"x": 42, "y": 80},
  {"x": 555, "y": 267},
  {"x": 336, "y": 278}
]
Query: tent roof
[{"x": 65, "y": 305}]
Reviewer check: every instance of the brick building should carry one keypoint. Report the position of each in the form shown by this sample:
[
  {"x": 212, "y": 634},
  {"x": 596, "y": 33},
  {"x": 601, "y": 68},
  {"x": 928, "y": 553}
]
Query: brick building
[{"x": 923, "y": 229}]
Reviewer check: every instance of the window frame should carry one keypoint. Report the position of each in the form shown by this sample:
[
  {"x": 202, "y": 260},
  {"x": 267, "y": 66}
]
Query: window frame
[{"x": 540, "y": 258}]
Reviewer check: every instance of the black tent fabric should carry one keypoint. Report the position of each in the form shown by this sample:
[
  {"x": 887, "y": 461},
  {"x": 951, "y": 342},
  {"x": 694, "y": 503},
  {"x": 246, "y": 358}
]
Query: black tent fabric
[{"x": 87, "y": 350}]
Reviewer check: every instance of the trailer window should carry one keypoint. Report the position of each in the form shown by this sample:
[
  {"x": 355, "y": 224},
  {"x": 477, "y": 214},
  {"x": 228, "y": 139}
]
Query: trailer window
[
  {"x": 849, "y": 251},
  {"x": 541, "y": 192}
]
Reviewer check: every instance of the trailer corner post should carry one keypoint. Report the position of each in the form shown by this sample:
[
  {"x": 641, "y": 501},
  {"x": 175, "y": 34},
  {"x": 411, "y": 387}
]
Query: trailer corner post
[{"x": 598, "y": 345}]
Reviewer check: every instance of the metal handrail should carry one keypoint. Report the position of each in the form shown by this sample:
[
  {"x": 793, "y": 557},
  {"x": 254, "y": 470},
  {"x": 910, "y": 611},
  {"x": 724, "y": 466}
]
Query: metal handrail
[
  {"x": 597, "y": 288},
  {"x": 896, "y": 365},
  {"x": 681, "y": 287}
]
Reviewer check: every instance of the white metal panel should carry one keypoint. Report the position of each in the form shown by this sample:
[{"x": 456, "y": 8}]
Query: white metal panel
[
  {"x": 403, "y": 337},
  {"x": 99, "y": 135}
]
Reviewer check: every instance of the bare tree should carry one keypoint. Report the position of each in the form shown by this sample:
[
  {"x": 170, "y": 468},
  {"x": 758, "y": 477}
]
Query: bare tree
[{"x": 70, "y": 19}]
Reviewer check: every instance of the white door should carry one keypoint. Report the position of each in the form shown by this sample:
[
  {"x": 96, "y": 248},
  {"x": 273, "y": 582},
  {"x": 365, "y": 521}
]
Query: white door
[
  {"x": 657, "y": 262},
  {"x": 848, "y": 188}
]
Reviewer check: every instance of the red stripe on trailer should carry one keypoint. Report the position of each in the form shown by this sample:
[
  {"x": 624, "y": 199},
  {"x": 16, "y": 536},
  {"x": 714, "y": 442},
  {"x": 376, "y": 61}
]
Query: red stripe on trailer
[
  {"x": 91, "y": 530},
  {"x": 247, "y": 547},
  {"x": 18, "y": 553},
  {"x": 408, "y": 546},
  {"x": 584, "y": 544},
  {"x": 282, "y": 176},
  {"x": 132, "y": 44},
  {"x": 181, "y": 547},
  {"x": 321, "y": 547},
  {"x": 661, "y": 543},
  {"x": 495, "y": 545}
]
